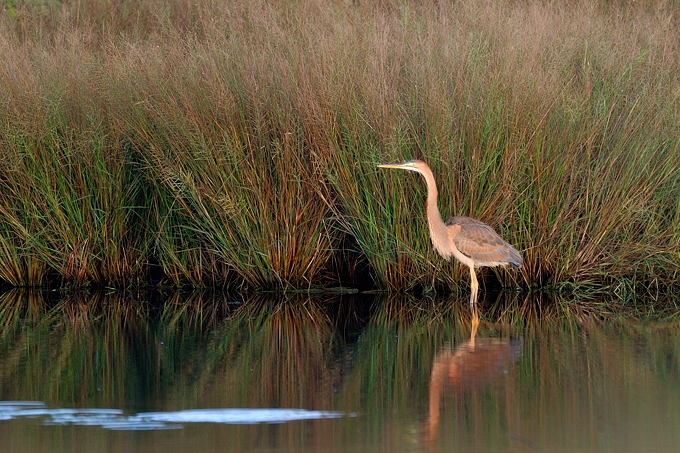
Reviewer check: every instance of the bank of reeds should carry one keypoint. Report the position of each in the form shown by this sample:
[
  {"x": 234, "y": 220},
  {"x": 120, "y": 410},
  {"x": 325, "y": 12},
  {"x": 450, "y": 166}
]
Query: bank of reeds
[{"x": 236, "y": 143}]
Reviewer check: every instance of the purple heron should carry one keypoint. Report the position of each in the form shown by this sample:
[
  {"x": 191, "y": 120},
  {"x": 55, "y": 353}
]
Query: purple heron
[{"x": 470, "y": 241}]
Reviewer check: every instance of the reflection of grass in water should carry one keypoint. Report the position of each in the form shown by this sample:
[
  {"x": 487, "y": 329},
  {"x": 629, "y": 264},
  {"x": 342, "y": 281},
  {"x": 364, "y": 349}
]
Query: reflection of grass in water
[
  {"x": 17, "y": 306},
  {"x": 588, "y": 368},
  {"x": 107, "y": 350},
  {"x": 391, "y": 364},
  {"x": 198, "y": 310},
  {"x": 568, "y": 349},
  {"x": 276, "y": 353},
  {"x": 80, "y": 350}
]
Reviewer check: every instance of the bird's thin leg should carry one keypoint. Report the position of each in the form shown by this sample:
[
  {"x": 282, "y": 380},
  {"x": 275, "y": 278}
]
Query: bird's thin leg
[{"x": 474, "y": 286}]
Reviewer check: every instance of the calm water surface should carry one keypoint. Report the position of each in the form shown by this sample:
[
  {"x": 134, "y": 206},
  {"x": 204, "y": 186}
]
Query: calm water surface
[{"x": 107, "y": 373}]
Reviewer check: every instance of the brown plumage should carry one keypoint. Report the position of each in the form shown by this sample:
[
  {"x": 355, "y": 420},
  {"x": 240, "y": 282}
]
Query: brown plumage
[{"x": 470, "y": 241}]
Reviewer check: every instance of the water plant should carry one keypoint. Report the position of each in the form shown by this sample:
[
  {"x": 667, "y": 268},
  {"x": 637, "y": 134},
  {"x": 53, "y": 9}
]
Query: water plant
[{"x": 236, "y": 143}]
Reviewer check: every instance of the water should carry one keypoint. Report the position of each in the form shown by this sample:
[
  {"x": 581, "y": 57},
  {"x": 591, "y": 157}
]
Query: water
[{"x": 106, "y": 373}]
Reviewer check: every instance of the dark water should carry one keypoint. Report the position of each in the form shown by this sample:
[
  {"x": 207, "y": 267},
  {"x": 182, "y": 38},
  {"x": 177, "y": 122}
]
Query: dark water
[{"x": 107, "y": 373}]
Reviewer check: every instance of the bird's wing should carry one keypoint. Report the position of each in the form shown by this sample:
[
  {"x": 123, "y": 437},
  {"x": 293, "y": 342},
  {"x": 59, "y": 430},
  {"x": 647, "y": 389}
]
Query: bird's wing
[{"x": 478, "y": 241}]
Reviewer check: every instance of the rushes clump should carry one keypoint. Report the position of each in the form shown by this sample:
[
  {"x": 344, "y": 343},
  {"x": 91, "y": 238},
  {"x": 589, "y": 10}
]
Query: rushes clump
[
  {"x": 240, "y": 176},
  {"x": 237, "y": 143},
  {"x": 67, "y": 192}
]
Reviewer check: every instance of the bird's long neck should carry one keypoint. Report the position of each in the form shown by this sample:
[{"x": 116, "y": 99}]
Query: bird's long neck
[{"x": 438, "y": 231}]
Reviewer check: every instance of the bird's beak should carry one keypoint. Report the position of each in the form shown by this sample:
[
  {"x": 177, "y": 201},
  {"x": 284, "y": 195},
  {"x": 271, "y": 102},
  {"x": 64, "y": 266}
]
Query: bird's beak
[{"x": 402, "y": 165}]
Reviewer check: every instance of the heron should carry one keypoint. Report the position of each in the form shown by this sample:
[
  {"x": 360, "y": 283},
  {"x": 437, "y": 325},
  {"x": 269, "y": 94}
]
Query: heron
[{"x": 470, "y": 241}]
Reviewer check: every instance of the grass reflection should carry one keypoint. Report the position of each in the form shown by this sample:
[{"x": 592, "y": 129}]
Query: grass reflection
[
  {"x": 75, "y": 352},
  {"x": 276, "y": 354},
  {"x": 265, "y": 353},
  {"x": 421, "y": 380},
  {"x": 536, "y": 374},
  {"x": 108, "y": 349}
]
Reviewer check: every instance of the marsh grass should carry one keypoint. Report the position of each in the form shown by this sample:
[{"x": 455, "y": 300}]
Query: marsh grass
[
  {"x": 67, "y": 190},
  {"x": 237, "y": 143}
]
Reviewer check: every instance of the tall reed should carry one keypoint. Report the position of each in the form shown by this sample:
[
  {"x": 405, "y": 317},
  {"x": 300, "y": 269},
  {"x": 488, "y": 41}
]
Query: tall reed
[
  {"x": 237, "y": 143},
  {"x": 68, "y": 195},
  {"x": 569, "y": 148}
]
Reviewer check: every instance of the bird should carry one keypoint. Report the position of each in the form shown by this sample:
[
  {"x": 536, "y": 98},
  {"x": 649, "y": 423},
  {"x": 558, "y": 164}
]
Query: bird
[{"x": 470, "y": 241}]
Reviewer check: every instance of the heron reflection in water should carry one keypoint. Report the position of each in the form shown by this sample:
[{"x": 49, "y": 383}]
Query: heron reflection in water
[
  {"x": 473, "y": 364},
  {"x": 470, "y": 241}
]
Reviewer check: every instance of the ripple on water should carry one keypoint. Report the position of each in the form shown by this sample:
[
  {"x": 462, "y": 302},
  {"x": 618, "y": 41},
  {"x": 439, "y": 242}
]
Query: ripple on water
[{"x": 116, "y": 420}]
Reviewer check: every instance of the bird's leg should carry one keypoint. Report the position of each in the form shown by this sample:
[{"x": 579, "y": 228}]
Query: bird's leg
[{"x": 474, "y": 286}]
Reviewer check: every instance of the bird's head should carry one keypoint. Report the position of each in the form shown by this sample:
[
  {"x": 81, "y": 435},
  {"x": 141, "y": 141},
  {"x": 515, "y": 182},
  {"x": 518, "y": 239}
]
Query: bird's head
[{"x": 412, "y": 165}]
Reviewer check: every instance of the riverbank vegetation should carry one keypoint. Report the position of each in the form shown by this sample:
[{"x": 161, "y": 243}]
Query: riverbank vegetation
[{"x": 235, "y": 143}]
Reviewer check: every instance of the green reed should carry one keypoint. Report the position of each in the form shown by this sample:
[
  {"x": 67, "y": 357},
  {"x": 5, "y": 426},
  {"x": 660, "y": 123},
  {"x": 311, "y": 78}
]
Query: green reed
[
  {"x": 238, "y": 146},
  {"x": 68, "y": 192}
]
